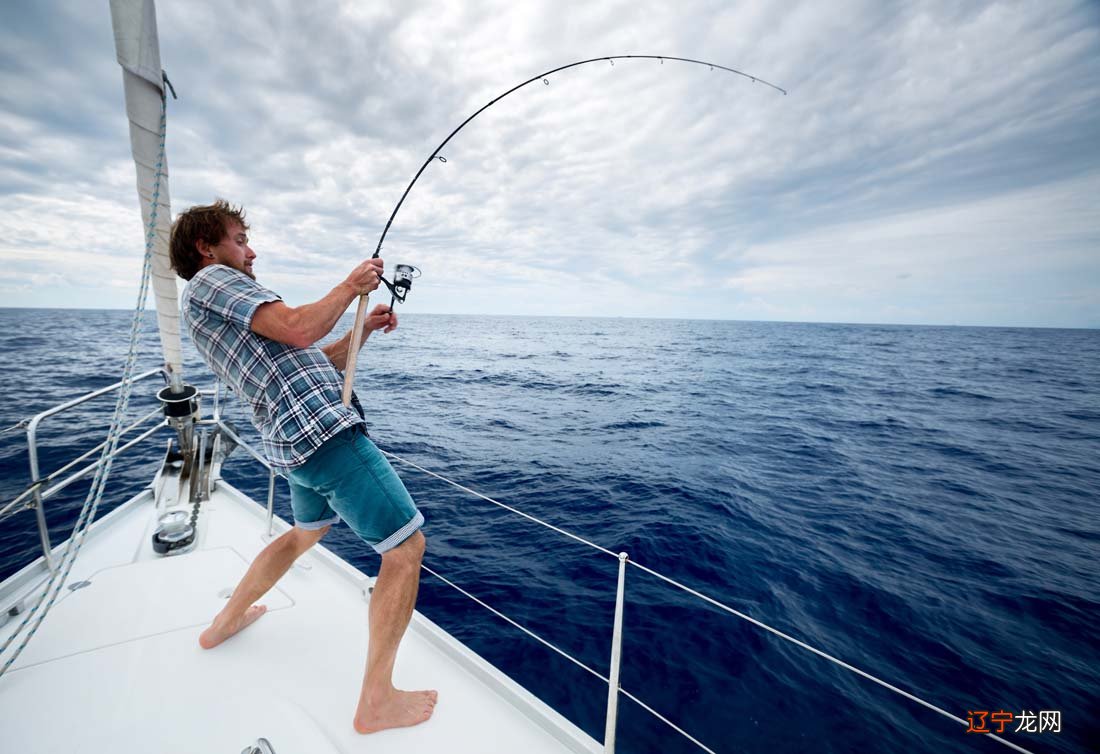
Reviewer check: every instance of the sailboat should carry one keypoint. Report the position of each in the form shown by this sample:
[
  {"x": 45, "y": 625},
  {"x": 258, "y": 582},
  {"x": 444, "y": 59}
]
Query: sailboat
[{"x": 100, "y": 633}]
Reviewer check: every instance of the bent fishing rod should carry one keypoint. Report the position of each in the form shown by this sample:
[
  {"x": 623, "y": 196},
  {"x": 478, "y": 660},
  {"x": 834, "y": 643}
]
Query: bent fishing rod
[{"x": 403, "y": 273}]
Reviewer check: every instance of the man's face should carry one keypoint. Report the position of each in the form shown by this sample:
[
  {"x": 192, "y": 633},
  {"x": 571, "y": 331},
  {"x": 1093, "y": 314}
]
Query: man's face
[{"x": 234, "y": 251}]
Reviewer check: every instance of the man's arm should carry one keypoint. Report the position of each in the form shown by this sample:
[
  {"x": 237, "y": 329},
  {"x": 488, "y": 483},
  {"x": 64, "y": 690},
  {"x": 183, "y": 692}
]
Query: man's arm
[
  {"x": 302, "y": 326},
  {"x": 382, "y": 318}
]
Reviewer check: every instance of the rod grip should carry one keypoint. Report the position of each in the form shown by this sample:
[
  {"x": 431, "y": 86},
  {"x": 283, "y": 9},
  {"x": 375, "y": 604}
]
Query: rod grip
[{"x": 353, "y": 348}]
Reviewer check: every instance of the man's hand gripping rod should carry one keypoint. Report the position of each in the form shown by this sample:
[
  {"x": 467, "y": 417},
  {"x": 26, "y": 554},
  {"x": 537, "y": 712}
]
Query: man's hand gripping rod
[{"x": 403, "y": 275}]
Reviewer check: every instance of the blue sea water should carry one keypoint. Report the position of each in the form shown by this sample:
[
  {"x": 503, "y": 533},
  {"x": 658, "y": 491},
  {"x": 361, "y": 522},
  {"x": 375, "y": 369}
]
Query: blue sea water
[{"x": 921, "y": 502}]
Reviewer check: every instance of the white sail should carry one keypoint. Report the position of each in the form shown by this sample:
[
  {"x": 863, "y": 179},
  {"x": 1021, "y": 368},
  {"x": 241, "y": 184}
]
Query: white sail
[{"x": 135, "y": 26}]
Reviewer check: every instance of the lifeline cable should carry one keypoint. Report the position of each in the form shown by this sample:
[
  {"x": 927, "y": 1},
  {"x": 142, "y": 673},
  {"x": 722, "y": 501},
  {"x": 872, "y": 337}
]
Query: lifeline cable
[
  {"x": 697, "y": 594},
  {"x": 21, "y": 424},
  {"x": 360, "y": 314}
]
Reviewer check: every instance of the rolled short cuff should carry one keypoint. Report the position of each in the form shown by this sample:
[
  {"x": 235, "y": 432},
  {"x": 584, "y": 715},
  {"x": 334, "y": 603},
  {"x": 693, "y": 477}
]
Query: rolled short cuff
[
  {"x": 400, "y": 535},
  {"x": 315, "y": 525}
]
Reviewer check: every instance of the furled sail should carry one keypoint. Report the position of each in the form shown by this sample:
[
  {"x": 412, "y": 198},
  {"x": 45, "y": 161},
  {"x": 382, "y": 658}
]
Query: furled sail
[{"x": 135, "y": 26}]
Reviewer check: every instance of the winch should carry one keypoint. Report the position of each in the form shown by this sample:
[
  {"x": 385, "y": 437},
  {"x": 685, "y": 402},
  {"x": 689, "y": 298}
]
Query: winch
[
  {"x": 175, "y": 533},
  {"x": 176, "y": 529},
  {"x": 181, "y": 409}
]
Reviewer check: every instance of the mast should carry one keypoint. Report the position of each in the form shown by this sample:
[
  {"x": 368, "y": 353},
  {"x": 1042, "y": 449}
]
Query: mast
[{"x": 138, "y": 52}]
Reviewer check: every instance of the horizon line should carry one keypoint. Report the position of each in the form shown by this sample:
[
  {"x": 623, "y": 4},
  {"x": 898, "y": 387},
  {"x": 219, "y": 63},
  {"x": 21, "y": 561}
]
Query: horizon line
[{"x": 617, "y": 316}]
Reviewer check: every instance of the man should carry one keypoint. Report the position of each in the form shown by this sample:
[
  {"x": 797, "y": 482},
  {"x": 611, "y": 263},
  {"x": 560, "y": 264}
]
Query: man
[{"x": 265, "y": 351}]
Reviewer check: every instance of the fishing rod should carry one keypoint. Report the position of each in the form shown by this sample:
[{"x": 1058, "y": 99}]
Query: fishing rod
[{"x": 403, "y": 273}]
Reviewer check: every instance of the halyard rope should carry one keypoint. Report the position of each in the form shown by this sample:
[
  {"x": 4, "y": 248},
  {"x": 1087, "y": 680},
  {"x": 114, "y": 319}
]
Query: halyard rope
[
  {"x": 694, "y": 593},
  {"x": 103, "y": 470}
]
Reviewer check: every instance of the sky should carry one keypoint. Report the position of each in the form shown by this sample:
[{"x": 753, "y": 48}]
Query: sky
[{"x": 932, "y": 162}]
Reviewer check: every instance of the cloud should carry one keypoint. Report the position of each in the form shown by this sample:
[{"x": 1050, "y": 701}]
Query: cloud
[
  {"x": 989, "y": 253},
  {"x": 625, "y": 189}
]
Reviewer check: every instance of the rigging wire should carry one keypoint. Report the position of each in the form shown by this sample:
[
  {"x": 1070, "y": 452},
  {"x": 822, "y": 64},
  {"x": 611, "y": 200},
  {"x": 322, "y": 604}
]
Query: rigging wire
[{"x": 57, "y": 579}]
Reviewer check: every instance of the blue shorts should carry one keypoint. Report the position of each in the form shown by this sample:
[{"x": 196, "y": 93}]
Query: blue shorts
[{"x": 348, "y": 478}]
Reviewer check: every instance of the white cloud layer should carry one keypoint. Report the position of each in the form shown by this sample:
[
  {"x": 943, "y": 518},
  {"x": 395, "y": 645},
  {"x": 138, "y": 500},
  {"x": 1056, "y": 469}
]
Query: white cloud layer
[{"x": 932, "y": 163}]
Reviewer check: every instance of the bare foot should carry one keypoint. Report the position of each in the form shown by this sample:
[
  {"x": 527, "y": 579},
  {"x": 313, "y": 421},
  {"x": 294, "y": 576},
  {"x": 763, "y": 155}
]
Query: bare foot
[
  {"x": 219, "y": 632},
  {"x": 399, "y": 709}
]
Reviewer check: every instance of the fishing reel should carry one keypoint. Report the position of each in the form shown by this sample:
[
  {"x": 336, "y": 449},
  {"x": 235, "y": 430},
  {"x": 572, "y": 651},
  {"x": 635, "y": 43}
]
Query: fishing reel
[{"x": 403, "y": 275}]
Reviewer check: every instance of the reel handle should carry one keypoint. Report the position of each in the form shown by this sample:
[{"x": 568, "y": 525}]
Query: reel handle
[{"x": 353, "y": 348}]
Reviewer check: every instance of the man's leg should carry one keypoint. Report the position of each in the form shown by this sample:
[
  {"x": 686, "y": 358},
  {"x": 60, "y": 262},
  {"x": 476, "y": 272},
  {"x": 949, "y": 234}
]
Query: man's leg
[
  {"x": 268, "y": 567},
  {"x": 382, "y": 706}
]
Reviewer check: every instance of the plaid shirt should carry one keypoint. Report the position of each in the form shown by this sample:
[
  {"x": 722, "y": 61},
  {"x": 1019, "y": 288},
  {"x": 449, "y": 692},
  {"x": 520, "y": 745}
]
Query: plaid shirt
[{"x": 294, "y": 393}]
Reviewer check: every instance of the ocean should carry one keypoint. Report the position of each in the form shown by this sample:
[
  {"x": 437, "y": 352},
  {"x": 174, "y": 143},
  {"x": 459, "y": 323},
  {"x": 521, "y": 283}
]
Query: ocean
[{"x": 921, "y": 502}]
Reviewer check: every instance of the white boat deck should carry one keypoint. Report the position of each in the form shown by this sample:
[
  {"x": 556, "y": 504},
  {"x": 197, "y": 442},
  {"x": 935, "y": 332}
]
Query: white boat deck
[{"x": 116, "y": 666}]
